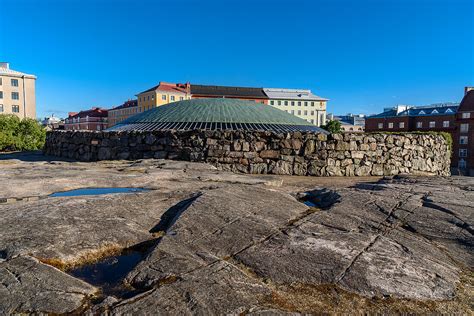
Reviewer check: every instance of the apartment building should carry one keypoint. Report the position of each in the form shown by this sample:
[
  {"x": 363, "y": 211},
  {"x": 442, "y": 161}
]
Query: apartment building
[
  {"x": 163, "y": 93},
  {"x": 122, "y": 112},
  {"x": 199, "y": 91},
  {"x": 301, "y": 103},
  {"x": 94, "y": 119},
  {"x": 456, "y": 119},
  {"x": 17, "y": 92}
]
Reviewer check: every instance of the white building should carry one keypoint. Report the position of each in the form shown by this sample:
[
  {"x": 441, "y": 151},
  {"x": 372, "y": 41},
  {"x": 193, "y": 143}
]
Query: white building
[{"x": 301, "y": 103}]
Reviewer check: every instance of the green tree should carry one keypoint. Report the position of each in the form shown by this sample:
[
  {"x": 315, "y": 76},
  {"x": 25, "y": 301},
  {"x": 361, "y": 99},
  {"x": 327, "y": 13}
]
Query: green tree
[
  {"x": 16, "y": 134},
  {"x": 333, "y": 127}
]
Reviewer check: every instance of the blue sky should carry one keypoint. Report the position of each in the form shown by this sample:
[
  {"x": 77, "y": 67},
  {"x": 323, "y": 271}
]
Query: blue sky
[{"x": 362, "y": 55}]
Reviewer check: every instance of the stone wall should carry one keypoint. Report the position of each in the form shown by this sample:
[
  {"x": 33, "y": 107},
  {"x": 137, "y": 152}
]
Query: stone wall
[{"x": 266, "y": 152}]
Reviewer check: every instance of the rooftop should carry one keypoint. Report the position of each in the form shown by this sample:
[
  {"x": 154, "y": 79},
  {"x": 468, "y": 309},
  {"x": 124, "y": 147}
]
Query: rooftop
[
  {"x": 169, "y": 87},
  {"x": 6, "y": 71},
  {"x": 126, "y": 104},
  {"x": 94, "y": 112},
  {"x": 427, "y": 110},
  {"x": 227, "y": 91},
  {"x": 292, "y": 94},
  {"x": 216, "y": 114}
]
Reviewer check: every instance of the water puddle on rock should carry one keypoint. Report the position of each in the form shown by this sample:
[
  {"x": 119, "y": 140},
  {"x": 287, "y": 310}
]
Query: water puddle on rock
[
  {"x": 109, "y": 273},
  {"x": 97, "y": 191}
]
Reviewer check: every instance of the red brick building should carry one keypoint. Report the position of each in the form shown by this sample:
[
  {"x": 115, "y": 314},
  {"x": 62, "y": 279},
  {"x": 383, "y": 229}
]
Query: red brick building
[
  {"x": 94, "y": 119},
  {"x": 458, "y": 120}
]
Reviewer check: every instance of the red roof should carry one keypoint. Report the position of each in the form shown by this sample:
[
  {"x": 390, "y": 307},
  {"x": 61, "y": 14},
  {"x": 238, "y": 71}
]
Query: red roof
[
  {"x": 126, "y": 104},
  {"x": 94, "y": 112},
  {"x": 170, "y": 87}
]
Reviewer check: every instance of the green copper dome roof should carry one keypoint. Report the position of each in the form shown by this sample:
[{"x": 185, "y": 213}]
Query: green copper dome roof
[{"x": 215, "y": 114}]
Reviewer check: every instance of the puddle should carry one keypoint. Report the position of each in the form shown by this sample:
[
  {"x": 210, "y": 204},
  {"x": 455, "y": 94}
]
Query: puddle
[
  {"x": 97, "y": 191},
  {"x": 322, "y": 198},
  {"x": 109, "y": 273}
]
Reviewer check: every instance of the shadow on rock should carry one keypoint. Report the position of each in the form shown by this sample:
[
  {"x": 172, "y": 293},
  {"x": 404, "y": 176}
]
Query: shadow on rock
[{"x": 320, "y": 198}]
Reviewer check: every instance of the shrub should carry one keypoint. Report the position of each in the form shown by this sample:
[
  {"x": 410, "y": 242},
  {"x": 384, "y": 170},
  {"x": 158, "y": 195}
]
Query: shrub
[
  {"x": 16, "y": 134},
  {"x": 333, "y": 127}
]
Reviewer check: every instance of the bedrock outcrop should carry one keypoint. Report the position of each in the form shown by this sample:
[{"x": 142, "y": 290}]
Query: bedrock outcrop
[{"x": 214, "y": 242}]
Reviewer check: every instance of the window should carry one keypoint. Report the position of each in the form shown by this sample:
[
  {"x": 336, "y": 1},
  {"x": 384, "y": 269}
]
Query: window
[
  {"x": 153, "y": 97},
  {"x": 401, "y": 125},
  {"x": 14, "y": 82},
  {"x": 305, "y": 112},
  {"x": 312, "y": 121},
  {"x": 312, "y": 112},
  {"x": 98, "y": 127},
  {"x": 448, "y": 111},
  {"x": 1, "y": 94},
  {"x": 464, "y": 128},
  {"x": 299, "y": 103},
  {"x": 172, "y": 98},
  {"x": 462, "y": 163},
  {"x": 1, "y": 108},
  {"x": 380, "y": 125},
  {"x": 432, "y": 124},
  {"x": 148, "y": 98},
  {"x": 463, "y": 152},
  {"x": 305, "y": 103},
  {"x": 293, "y": 112},
  {"x": 463, "y": 140},
  {"x": 390, "y": 125},
  {"x": 15, "y": 96},
  {"x": 292, "y": 103},
  {"x": 0, "y": 81},
  {"x": 435, "y": 112},
  {"x": 181, "y": 98},
  {"x": 312, "y": 103},
  {"x": 445, "y": 123},
  {"x": 421, "y": 112},
  {"x": 272, "y": 103},
  {"x": 15, "y": 108},
  {"x": 466, "y": 115},
  {"x": 279, "y": 102},
  {"x": 286, "y": 102},
  {"x": 419, "y": 124},
  {"x": 299, "y": 112},
  {"x": 163, "y": 97}
]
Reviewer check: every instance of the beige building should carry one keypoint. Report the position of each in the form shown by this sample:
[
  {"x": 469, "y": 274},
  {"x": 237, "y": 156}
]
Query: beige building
[
  {"x": 122, "y": 112},
  {"x": 299, "y": 102},
  {"x": 17, "y": 92},
  {"x": 163, "y": 93}
]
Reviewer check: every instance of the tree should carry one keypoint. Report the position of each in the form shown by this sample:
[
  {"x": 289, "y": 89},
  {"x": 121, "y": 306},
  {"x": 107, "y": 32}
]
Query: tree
[
  {"x": 16, "y": 134},
  {"x": 333, "y": 127}
]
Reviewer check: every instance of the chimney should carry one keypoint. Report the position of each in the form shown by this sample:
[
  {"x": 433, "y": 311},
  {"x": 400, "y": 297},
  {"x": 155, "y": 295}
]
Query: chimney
[
  {"x": 4, "y": 65},
  {"x": 467, "y": 89}
]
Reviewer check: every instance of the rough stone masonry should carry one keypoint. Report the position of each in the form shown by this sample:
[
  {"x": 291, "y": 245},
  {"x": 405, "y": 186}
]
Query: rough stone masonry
[{"x": 266, "y": 152}]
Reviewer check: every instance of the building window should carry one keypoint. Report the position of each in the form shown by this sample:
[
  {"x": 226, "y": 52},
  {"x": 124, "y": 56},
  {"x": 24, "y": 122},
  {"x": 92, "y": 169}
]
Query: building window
[
  {"x": 305, "y": 112},
  {"x": 401, "y": 125},
  {"x": 463, "y": 140},
  {"x": 462, "y": 163},
  {"x": 445, "y": 123},
  {"x": 272, "y": 102},
  {"x": 312, "y": 112},
  {"x": 172, "y": 98},
  {"x": 419, "y": 124},
  {"x": 305, "y": 103},
  {"x": 312, "y": 121},
  {"x": 390, "y": 125},
  {"x": 15, "y": 108},
  {"x": 432, "y": 124},
  {"x": 299, "y": 103},
  {"x": 153, "y": 97},
  {"x": 1, "y": 94},
  {"x": 1, "y": 108},
  {"x": 299, "y": 112},
  {"x": 286, "y": 102},
  {"x": 463, "y": 152},
  {"x": 380, "y": 125},
  {"x": 148, "y": 98},
  {"x": 181, "y": 98},
  {"x": 279, "y": 102},
  {"x": 1, "y": 81},
  {"x": 293, "y": 112},
  {"x": 321, "y": 103},
  {"x": 14, "y": 82},
  {"x": 466, "y": 115},
  {"x": 163, "y": 97},
  {"x": 15, "y": 96},
  {"x": 464, "y": 128}
]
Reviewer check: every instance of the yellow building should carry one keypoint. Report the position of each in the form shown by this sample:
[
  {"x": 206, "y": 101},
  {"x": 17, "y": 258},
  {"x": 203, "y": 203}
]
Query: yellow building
[
  {"x": 17, "y": 92},
  {"x": 122, "y": 112},
  {"x": 163, "y": 93}
]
